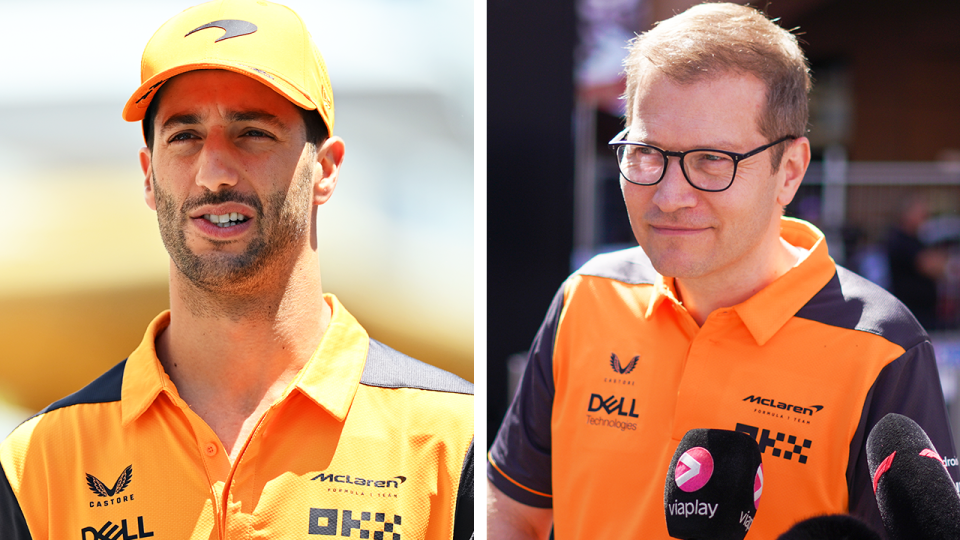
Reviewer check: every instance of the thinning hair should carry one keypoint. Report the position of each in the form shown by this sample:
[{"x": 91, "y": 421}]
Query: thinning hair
[{"x": 715, "y": 39}]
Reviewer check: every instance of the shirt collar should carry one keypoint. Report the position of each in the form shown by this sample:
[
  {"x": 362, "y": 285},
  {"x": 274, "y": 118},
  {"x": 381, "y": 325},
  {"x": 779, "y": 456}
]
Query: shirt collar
[
  {"x": 767, "y": 311},
  {"x": 330, "y": 378},
  {"x": 143, "y": 376},
  {"x": 332, "y": 374},
  {"x": 664, "y": 289}
]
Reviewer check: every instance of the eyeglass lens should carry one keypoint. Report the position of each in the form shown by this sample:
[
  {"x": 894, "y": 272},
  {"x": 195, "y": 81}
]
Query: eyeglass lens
[{"x": 710, "y": 171}]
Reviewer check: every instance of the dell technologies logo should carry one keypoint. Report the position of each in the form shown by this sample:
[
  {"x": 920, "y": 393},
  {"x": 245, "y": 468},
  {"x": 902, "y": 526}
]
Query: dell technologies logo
[
  {"x": 612, "y": 406},
  {"x": 113, "y": 531}
]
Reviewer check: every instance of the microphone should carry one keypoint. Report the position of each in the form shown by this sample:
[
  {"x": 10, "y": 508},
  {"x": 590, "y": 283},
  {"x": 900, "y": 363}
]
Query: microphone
[
  {"x": 713, "y": 485},
  {"x": 918, "y": 500},
  {"x": 831, "y": 527}
]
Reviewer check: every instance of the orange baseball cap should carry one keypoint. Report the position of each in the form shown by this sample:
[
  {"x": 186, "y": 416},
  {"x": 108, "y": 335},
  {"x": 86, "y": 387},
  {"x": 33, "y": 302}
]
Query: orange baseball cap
[{"x": 260, "y": 39}]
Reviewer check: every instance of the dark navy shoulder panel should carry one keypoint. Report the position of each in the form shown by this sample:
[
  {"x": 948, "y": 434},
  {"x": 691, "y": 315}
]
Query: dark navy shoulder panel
[
  {"x": 103, "y": 389},
  {"x": 463, "y": 516},
  {"x": 910, "y": 385},
  {"x": 850, "y": 301},
  {"x": 630, "y": 266},
  {"x": 13, "y": 526},
  {"x": 522, "y": 452},
  {"x": 388, "y": 368}
]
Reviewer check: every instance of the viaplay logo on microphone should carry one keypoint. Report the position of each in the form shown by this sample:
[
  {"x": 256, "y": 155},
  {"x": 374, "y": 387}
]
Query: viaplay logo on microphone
[
  {"x": 758, "y": 487},
  {"x": 712, "y": 487},
  {"x": 694, "y": 469}
]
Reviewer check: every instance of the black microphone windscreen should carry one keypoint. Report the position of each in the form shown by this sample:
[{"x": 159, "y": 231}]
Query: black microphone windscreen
[
  {"x": 918, "y": 500},
  {"x": 713, "y": 485},
  {"x": 832, "y": 527}
]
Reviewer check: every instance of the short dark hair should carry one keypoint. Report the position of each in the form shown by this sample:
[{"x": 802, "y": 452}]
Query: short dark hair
[{"x": 316, "y": 129}]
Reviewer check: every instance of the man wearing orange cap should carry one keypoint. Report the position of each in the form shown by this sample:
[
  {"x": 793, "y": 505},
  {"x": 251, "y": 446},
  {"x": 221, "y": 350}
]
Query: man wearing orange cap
[{"x": 256, "y": 406}]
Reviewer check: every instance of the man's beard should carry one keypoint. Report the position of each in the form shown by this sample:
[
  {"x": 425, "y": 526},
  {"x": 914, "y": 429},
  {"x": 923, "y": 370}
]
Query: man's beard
[{"x": 281, "y": 225}]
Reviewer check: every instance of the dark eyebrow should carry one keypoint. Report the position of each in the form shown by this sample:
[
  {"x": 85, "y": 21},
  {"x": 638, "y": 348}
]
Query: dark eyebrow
[
  {"x": 180, "y": 120},
  {"x": 232, "y": 116},
  {"x": 260, "y": 116}
]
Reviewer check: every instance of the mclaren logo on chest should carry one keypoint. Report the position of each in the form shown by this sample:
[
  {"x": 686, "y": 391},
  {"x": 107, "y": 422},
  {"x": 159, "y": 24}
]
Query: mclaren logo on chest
[
  {"x": 346, "y": 479},
  {"x": 770, "y": 402}
]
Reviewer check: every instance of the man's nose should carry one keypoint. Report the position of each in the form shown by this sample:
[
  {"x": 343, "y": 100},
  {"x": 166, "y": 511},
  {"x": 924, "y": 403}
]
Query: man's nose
[
  {"x": 673, "y": 191},
  {"x": 217, "y": 163}
]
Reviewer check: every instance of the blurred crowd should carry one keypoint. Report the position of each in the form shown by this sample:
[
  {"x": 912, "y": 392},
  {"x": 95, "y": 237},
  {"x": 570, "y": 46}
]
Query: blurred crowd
[{"x": 918, "y": 260}]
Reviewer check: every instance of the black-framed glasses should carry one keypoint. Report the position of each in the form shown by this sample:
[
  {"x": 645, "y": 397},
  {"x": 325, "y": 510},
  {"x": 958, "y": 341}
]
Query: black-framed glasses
[{"x": 706, "y": 169}]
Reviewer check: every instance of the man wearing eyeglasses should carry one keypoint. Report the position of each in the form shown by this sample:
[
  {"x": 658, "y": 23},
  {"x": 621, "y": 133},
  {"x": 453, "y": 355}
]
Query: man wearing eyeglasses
[{"x": 729, "y": 317}]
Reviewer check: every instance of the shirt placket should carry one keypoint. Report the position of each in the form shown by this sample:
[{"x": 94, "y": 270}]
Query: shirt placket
[
  {"x": 225, "y": 493},
  {"x": 699, "y": 385},
  {"x": 229, "y": 483}
]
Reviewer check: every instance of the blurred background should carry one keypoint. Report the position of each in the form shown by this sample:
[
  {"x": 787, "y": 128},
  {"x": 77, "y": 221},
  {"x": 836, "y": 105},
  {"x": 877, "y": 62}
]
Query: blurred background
[
  {"x": 82, "y": 267},
  {"x": 884, "y": 185}
]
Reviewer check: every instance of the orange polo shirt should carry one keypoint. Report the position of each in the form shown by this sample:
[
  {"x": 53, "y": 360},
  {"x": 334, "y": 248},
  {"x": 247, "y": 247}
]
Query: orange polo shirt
[
  {"x": 364, "y": 443},
  {"x": 620, "y": 371}
]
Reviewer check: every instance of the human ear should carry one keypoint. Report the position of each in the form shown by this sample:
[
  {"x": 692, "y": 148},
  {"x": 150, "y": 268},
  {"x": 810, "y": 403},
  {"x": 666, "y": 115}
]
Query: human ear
[
  {"x": 793, "y": 165},
  {"x": 329, "y": 158},
  {"x": 148, "y": 193}
]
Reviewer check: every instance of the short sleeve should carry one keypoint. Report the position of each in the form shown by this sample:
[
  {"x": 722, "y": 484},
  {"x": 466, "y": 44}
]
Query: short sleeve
[{"x": 520, "y": 457}]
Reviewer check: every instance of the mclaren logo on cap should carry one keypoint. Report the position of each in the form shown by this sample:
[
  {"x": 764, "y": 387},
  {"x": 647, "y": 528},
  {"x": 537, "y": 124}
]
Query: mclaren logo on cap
[
  {"x": 231, "y": 28},
  {"x": 150, "y": 91}
]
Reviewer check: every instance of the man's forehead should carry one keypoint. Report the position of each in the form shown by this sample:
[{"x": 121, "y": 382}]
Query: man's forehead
[
  {"x": 721, "y": 110},
  {"x": 648, "y": 74},
  {"x": 233, "y": 92}
]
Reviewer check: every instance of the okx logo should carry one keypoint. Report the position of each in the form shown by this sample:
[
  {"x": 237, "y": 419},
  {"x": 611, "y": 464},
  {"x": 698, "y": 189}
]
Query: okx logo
[
  {"x": 787, "y": 450},
  {"x": 325, "y": 522},
  {"x": 623, "y": 370},
  {"x": 112, "y": 531}
]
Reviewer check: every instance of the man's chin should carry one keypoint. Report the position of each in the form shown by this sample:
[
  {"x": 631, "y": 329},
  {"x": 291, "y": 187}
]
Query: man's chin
[
  {"x": 679, "y": 267},
  {"x": 218, "y": 271}
]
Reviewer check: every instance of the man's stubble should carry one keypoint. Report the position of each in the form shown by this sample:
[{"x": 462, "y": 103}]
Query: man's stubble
[{"x": 218, "y": 283}]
